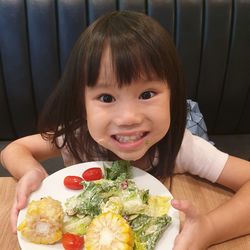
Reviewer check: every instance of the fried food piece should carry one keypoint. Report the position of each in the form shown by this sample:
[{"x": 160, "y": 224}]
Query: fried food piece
[{"x": 43, "y": 221}]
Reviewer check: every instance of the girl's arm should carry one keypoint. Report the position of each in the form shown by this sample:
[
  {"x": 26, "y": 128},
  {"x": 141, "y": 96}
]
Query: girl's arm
[
  {"x": 230, "y": 220},
  {"x": 25, "y": 154}
]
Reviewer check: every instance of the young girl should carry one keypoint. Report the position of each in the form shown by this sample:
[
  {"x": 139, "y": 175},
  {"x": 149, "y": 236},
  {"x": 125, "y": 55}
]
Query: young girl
[{"x": 122, "y": 97}]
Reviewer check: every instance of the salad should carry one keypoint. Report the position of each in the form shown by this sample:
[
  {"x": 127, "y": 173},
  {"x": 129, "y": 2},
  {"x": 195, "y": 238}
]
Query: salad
[{"x": 114, "y": 210}]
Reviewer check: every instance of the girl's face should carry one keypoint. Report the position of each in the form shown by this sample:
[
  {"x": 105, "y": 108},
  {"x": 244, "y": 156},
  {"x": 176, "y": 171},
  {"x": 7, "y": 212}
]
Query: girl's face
[{"x": 130, "y": 119}]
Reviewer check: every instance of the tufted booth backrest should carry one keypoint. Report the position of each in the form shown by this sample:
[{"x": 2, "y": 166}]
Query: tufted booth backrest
[{"x": 212, "y": 37}]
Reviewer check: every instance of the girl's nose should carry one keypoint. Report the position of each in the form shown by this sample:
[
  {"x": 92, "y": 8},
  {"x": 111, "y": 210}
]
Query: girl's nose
[{"x": 128, "y": 115}]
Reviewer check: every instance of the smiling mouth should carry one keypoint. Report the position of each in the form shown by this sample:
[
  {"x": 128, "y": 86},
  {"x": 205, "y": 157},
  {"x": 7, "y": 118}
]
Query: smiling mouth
[{"x": 129, "y": 138}]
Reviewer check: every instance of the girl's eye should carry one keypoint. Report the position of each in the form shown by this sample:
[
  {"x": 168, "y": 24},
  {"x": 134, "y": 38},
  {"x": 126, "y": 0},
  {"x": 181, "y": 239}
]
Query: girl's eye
[
  {"x": 147, "y": 95},
  {"x": 106, "y": 98}
]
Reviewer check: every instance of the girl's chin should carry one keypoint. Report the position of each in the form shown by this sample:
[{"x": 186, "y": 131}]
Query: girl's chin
[{"x": 130, "y": 156}]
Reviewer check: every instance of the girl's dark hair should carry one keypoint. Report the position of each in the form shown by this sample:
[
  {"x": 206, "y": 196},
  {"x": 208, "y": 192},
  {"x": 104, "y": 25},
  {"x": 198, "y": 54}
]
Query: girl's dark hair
[{"x": 139, "y": 46}]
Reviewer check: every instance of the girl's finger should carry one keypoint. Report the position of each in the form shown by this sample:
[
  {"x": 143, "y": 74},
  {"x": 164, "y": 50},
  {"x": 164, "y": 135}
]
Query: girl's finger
[
  {"x": 177, "y": 243},
  {"x": 21, "y": 195},
  {"x": 186, "y": 207},
  {"x": 13, "y": 216},
  {"x": 20, "y": 202}
]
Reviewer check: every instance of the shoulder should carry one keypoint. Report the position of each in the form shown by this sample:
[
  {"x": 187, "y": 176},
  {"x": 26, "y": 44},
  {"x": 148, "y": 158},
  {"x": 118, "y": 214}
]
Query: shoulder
[{"x": 199, "y": 157}]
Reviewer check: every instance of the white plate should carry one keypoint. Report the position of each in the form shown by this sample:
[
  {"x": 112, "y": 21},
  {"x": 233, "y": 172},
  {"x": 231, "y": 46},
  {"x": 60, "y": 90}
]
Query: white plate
[{"x": 53, "y": 186}]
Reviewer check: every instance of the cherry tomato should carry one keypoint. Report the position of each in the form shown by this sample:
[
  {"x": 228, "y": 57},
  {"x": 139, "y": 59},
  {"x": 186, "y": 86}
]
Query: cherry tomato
[
  {"x": 73, "y": 182},
  {"x": 72, "y": 241},
  {"x": 92, "y": 174}
]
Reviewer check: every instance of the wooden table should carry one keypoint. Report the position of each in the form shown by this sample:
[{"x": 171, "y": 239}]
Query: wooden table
[
  {"x": 8, "y": 240},
  {"x": 204, "y": 195}
]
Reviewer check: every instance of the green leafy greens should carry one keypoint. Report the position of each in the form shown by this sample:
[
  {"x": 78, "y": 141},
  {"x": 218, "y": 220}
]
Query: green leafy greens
[{"x": 118, "y": 193}]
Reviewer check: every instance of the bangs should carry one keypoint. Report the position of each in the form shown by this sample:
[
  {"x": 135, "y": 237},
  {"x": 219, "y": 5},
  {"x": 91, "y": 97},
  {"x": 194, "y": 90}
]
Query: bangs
[
  {"x": 135, "y": 53},
  {"x": 133, "y": 60}
]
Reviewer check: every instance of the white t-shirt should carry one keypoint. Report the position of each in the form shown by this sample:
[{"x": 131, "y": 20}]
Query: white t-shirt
[
  {"x": 196, "y": 156},
  {"x": 199, "y": 157}
]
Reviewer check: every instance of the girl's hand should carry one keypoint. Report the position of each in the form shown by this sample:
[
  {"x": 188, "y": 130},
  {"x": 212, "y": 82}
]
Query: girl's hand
[
  {"x": 25, "y": 186},
  {"x": 195, "y": 232}
]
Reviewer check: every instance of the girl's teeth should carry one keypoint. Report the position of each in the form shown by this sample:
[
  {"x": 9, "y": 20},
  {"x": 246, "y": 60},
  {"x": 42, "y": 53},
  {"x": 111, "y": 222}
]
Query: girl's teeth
[{"x": 122, "y": 138}]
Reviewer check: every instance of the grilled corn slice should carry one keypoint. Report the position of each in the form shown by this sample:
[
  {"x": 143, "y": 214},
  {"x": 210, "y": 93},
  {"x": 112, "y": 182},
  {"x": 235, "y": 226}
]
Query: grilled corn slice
[
  {"x": 109, "y": 231},
  {"x": 43, "y": 221}
]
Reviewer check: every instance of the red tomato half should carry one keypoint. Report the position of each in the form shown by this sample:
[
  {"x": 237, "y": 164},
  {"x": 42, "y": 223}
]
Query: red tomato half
[
  {"x": 72, "y": 241},
  {"x": 92, "y": 174},
  {"x": 73, "y": 182}
]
